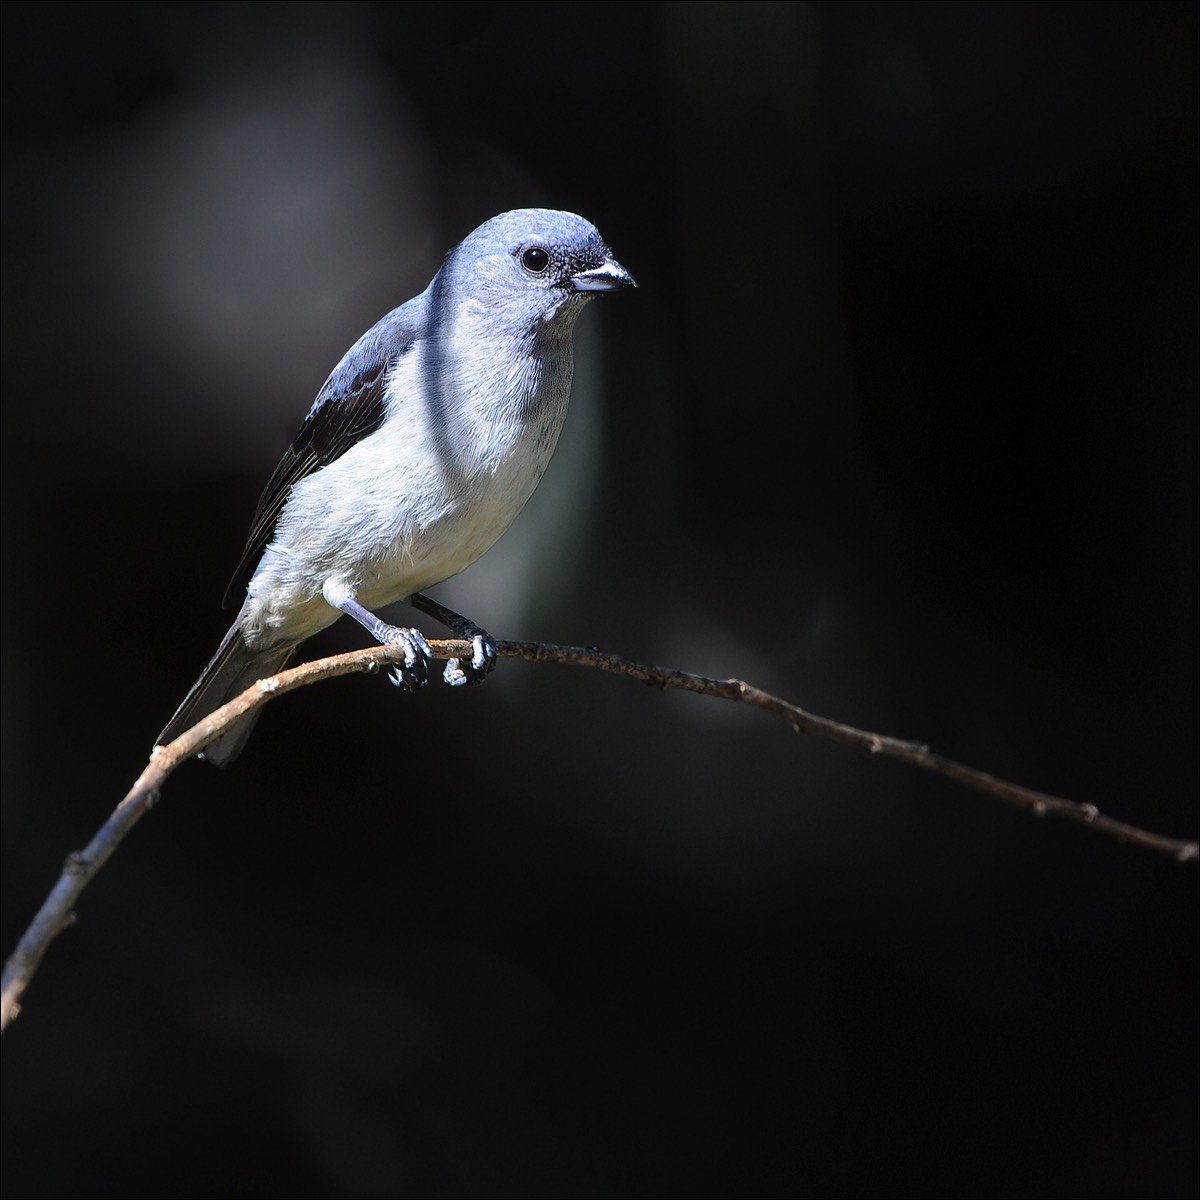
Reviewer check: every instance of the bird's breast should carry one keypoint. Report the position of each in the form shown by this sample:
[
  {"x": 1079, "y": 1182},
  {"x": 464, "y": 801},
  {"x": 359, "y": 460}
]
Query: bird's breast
[{"x": 423, "y": 496}]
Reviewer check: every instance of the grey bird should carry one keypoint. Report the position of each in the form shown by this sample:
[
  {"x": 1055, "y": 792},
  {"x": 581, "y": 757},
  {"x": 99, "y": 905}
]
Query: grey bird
[{"x": 417, "y": 454}]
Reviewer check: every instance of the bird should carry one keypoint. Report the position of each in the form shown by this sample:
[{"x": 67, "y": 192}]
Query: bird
[{"x": 418, "y": 452}]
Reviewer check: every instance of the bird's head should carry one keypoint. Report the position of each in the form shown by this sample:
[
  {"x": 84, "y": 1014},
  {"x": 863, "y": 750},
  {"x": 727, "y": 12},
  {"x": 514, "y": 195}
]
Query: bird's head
[{"x": 534, "y": 267}]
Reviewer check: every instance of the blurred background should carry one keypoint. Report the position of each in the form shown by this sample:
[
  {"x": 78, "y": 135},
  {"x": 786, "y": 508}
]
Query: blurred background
[{"x": 901, "y": 425}]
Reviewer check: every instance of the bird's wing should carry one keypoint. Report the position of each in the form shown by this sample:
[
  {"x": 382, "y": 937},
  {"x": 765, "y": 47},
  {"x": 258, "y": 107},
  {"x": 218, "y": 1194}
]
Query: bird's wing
[{"x": 351, "y": 405}]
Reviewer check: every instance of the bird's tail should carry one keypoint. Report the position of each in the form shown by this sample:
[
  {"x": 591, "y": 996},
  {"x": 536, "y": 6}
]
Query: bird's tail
[{"x": 232, "y": 670}]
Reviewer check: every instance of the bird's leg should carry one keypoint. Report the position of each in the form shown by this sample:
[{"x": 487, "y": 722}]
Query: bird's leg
[
  {"x": 415, "y": 670},
  {"x": 483, "y": 657}
]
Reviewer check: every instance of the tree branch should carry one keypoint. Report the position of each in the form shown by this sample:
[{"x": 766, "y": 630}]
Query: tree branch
[{"x": 58, "y": 910}]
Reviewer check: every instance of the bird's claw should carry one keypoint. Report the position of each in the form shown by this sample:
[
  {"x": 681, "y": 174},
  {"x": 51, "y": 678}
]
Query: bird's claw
[
  {"x": 409, "y": 679},
  {"x": 413, "y": 673},
  {"x": 459, "y": 673}
]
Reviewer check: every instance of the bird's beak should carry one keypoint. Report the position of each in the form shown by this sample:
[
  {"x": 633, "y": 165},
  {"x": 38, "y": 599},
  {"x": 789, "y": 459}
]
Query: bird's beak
[{"x": 610, "y": 276}]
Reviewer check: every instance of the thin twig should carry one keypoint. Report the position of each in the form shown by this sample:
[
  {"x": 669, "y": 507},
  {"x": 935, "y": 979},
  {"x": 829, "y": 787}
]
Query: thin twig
[
  {"x": 58, "y": 910},
  {"x": 915, "y": 753}
]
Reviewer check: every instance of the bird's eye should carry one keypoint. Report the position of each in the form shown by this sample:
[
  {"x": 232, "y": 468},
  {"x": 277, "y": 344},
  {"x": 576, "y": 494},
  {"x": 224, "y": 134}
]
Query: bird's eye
[{"x": 535, "y": 259}]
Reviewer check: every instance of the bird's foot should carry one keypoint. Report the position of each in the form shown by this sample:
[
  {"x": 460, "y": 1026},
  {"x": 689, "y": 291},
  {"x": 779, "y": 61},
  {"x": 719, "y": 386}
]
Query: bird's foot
[
  {"x": 460, "y": 672},
  {"x": 413, "y": 673}
]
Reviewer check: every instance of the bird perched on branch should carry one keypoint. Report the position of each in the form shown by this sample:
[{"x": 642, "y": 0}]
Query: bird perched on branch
[{"x": 417, "y": 454}]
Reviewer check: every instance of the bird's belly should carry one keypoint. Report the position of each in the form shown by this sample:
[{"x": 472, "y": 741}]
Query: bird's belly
[
  {"x": 384, "y": 534},
  {"x": 449, "y": 536},
  {"x": 398, "y": 513}
]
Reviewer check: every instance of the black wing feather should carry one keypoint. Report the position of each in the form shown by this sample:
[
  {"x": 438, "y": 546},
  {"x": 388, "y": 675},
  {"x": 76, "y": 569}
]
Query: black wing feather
[{"x": 351, "y": 405}]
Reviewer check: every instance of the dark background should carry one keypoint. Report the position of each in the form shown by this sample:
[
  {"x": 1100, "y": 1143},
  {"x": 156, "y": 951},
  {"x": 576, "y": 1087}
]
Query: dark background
[{"x": 901, "y": 424}]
